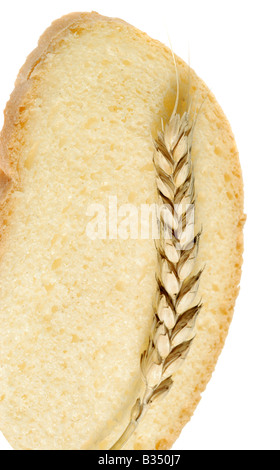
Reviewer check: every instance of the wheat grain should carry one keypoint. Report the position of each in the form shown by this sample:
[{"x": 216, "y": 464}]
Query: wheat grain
[{"x": 174, "y": 310}]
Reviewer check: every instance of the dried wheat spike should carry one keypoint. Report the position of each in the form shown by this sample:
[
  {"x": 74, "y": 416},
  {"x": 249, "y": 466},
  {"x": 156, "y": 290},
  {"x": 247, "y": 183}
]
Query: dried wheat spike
[{"x": 175, "y": 310}]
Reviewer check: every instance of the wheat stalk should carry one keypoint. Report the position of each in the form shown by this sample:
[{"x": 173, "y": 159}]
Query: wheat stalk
[{"x": 174, "y": 309}]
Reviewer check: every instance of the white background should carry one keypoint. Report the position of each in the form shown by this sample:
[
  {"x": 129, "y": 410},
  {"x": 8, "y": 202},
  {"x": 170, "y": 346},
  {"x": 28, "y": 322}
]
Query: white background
[{"x": 234, "y": 46}]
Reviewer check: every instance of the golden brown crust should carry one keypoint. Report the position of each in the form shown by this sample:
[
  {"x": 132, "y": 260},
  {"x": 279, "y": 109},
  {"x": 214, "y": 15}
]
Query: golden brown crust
[
  {"x": 228, "y": 306},
  {"x": 8, "y": 175},
  {"x": 23, "y": 83},
  {"x": 22, "y": 86},
  {"x": 233, "y": 288}
]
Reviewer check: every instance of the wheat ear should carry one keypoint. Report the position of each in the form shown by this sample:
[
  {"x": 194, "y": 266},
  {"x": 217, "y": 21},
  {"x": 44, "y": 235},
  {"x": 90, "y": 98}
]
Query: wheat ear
[{"x": 174, "y": 309}]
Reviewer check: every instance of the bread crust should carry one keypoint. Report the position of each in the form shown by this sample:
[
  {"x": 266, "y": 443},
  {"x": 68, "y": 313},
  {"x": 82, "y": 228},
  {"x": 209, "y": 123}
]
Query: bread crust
[
  {"x": 23, "y": 83},
  {"x": 9, "y": 177}
]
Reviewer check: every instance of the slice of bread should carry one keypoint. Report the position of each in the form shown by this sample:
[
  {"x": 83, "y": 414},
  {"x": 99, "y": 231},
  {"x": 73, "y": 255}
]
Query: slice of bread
[{"x": 75, "y": 312}]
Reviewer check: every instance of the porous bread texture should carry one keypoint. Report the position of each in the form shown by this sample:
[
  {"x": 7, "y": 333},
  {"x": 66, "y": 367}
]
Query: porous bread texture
[{"x": 75, "y": 313}]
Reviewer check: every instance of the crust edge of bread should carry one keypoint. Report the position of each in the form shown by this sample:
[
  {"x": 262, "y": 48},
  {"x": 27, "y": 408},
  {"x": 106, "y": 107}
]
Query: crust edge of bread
[
  {"x": 174, "y": 434},
  {"x": 8, "y": 176},
  {"x": 23, "y": 84}
]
